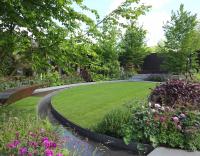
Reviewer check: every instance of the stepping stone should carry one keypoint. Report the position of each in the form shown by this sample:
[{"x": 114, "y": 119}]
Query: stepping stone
[{"x": 162, "y": 151}]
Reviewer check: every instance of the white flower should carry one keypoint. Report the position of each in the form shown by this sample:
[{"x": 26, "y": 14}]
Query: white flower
[
  {"x": 162, "y": 108},
  {"x": 150, "y": 104},
  {"x": 157, "y": 105},
  {"x": 153, "y": 110}
]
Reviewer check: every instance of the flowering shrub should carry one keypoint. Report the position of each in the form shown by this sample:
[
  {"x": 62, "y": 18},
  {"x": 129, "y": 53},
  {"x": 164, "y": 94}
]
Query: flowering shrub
[
  {"x": 164, "y": 126},
  {"x": 177, "y": 93}
]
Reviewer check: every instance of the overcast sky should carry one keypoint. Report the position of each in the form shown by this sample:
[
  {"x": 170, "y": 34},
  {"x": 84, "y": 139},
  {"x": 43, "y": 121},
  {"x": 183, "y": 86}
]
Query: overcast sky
[{"x": 153, "y": 20}]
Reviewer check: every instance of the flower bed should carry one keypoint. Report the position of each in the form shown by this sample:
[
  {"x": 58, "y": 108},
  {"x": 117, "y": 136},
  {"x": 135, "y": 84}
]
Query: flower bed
[{"x": 19, "y": 137}]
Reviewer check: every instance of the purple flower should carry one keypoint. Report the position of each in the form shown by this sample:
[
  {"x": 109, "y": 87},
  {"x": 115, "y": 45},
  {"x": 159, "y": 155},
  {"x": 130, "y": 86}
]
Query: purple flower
[
  {"x": 47, "y": 144},
  {"x": 53, "y": 144},
  {"x": 23, "y": 151},
  {"x": 59, "y": 154},
  {"x": 48, "y": 152},
  {"x": 33, "y": 144},
  {"x": 13, "y": 144},
  {"x": 44, "y": 138}
]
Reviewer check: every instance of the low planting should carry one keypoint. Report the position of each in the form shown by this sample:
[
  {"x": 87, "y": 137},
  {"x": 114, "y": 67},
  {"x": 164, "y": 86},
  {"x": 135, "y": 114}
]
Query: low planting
[
  {"x": 175, "y": 124},
  {"x": 112, "y": 123},
  {"x": 30, "y": 137},
  {"x": 23, "y": 134}
]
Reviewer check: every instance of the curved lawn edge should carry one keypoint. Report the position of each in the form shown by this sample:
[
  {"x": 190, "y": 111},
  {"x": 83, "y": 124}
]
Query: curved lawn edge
[{"x": 101, "y": 138}]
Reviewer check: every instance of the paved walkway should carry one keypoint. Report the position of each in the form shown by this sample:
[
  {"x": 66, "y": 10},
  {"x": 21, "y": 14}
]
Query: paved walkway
[
  {"x": 162, "y": 151},
  {"x": 73, "y": 85}
]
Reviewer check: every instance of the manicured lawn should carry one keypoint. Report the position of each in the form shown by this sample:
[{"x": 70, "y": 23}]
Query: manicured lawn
[
  {"x": 86, "y": 105},
  {"x": 22, "y": 108}
]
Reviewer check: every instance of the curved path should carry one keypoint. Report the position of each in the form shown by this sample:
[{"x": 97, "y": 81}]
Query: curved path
[{"x": 45, "y": 109}]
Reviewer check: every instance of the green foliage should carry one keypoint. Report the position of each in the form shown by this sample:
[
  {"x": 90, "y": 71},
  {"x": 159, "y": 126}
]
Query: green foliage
[
  {"x": 41, "y": 34},
  {"x": 113, "y": 122},
  {"x": 132, "y": 48},
  {"x": 181, "y": 40},
  {"x": 197, "y": 77}
]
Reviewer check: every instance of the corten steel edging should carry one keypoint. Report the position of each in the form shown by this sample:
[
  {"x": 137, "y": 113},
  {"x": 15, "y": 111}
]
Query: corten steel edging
[
  {"x": 101, "y": 138},
  {"x": 12, "y": 95}
]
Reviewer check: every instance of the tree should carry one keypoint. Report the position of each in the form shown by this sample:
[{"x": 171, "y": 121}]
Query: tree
[
  {"x": 132, "y": 48},
  {"x": 25, "y": 22},
  {"x": 46, "y": 32},
  {"x": 177, "y": 32}
]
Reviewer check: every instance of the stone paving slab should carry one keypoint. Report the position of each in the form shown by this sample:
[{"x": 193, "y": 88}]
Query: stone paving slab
[
  {"x": 162, "y": 151},
  {"x": 73, "y": 85}
]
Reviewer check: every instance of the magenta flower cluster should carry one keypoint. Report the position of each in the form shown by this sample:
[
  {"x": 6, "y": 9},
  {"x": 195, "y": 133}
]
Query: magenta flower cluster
[{"x": 34, "y": 144}]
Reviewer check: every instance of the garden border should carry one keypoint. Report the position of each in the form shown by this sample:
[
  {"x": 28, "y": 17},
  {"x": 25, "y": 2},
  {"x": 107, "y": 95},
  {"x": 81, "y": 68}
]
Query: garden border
[{"x": 101, "y": 138}]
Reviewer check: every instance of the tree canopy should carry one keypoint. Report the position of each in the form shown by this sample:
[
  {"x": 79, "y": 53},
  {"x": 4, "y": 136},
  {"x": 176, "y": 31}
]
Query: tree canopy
[{"x": 40, "y": 33}]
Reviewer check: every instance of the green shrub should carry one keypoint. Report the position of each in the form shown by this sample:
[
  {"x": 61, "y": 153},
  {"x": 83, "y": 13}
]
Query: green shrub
[
  {"x": 196, "y": 77},
  {"x": 112, "y": 122}
]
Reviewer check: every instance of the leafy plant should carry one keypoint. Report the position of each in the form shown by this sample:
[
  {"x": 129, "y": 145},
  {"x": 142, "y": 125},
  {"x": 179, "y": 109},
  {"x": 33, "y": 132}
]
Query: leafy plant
[
  {"x": 177, "y": 93},
  {"x": 113, "y": 122}
]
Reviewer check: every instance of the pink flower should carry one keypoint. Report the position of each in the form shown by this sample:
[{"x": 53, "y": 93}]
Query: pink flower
[
  {"x": 33, "y": 144},
  {"x": 47, "y": 144},
  {"x": 59, "y": 154},
  {"x": 162, "y": 119},
  {"x": 48, "y": 152},
  {"x": 175, "y": 119},
  {"x": 30, "y": 154},
  {"x": 23, "y": 151},
  {"x": 44, "y": 138},
  {"x": 13, "y": 144},
  {"x": 52, "y": 144}
]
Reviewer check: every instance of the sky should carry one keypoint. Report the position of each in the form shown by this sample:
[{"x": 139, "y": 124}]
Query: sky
[{"x": 154, "y": 19}]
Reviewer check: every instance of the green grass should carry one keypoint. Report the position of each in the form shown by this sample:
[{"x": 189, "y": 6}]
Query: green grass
[
  {"x": 87, "y": 105},
  {"x": 22, "y": 108}
]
